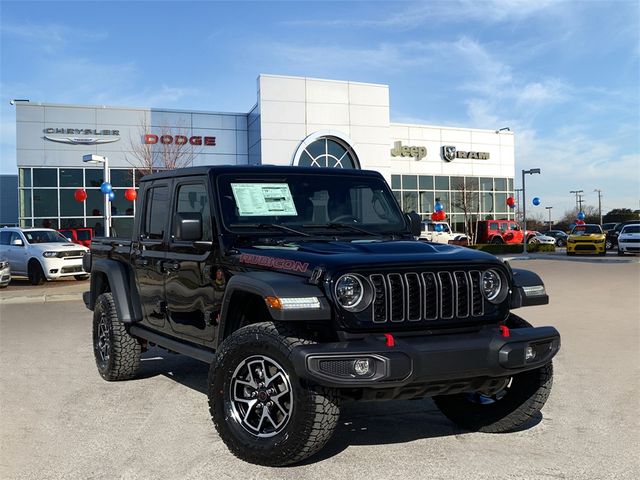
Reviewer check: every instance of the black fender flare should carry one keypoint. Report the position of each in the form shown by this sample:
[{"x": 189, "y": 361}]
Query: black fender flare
[
  {"x": 276, "y": 284},
  {"x": 122, "y": 286},
  {"x": 527, "y": 278}
]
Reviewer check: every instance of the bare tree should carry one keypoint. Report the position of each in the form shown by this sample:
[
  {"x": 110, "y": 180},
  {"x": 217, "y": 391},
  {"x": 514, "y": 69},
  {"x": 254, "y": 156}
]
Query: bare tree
[
  {"x": 166, "y": 149},
  {"x": 467, "y": 201}
]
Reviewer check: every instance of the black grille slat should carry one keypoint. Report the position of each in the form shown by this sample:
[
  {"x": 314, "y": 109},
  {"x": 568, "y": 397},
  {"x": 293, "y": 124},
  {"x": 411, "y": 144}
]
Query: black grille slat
[
  {"x": 396, "y": 294},
  {"x": 430, "y": 296},
  {"x": 414, "y": 310},
  {"x": 477, "y": 301},
  {"x": 462, "y": 294},
  {"x": 426, "y": 296},
  {"x": 446, "y": 295}
]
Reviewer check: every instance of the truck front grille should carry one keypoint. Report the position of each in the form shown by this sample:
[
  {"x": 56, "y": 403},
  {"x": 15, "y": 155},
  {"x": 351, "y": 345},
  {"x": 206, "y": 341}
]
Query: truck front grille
[{"x": 412, "y": 297}]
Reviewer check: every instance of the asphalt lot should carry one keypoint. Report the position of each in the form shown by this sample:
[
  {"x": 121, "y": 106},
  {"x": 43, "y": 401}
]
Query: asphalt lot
[{"x": 59, "y": 419}]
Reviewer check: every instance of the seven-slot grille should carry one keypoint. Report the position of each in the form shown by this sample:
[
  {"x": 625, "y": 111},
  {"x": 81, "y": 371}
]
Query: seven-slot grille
[{"x": 426, "y": 296}]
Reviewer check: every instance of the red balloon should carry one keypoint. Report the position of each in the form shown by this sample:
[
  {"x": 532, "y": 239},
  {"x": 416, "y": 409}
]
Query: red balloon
[
  {"x": 441, "y": 215},
  {"x": 434, "y": 216},
  {"x": 80, "y": 195},
  {"x": 510, "y": 201},
  {"x": 131, "y": 194}
]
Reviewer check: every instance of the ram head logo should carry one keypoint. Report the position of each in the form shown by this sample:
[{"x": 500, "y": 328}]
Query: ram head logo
[{"x": 448, "y": 153}]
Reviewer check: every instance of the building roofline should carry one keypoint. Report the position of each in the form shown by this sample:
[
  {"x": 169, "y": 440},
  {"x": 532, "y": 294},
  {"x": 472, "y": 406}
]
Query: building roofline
[
  {"x": 323, "y": 80},
  {"x": 445, "y": 127},
  {"x": 140, "y": 109}
]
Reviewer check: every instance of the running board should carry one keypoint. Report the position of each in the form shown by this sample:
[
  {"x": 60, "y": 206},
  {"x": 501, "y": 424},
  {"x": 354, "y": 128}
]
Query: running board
[{"x": 183, "y": 348}]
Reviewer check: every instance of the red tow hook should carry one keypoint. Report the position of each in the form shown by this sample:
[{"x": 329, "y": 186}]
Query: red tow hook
[
  {"x": 391, "y": 342},
  {"x": 504, "y": 330}
]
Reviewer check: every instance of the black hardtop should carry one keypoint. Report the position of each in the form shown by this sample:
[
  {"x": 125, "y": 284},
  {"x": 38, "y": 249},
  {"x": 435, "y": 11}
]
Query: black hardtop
[{"x": 255, "y": 169}]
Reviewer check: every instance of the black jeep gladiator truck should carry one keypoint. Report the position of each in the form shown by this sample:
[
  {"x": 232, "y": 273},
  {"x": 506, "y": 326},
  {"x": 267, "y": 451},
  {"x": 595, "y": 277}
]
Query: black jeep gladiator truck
[{"x": 306, "y": 287}]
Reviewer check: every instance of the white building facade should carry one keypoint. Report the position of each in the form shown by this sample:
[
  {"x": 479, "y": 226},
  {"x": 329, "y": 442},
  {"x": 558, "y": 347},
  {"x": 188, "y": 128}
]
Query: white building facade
[{"x": 296, "y": 121}]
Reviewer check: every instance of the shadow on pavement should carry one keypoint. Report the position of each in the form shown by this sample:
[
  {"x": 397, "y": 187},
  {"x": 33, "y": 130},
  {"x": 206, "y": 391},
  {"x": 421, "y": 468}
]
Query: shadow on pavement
[{"x": 361, "y": 423}]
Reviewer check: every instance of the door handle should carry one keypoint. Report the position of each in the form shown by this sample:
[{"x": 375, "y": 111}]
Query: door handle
[{"x": 141, "y": 262}]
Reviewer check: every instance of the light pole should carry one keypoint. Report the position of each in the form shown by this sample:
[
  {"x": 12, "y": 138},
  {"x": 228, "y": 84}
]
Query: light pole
[
  {"x": 524, "y": 207},
  {"x": 577, "y": 192},
  {"x": 517, "y": 190},
  {"x": 549, "y": 208},
  {"x": 599, "y": 203},
  {"x": 91, "y": 158}
]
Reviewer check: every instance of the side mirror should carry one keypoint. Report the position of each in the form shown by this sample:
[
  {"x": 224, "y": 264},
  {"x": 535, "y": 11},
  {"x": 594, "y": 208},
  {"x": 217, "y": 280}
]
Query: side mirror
[
  {"x": 17, "y": 242},
  {"x": 188, "y": 226},
  {"x": 415, "y": 223}
]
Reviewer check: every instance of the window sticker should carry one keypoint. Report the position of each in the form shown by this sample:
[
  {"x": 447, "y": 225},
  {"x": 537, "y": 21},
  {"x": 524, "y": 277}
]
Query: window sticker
[{"x": 263, "y": 199}]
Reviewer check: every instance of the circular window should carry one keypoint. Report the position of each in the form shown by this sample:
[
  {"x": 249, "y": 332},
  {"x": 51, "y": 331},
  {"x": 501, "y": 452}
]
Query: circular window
[{"x": 327, "y": 152}]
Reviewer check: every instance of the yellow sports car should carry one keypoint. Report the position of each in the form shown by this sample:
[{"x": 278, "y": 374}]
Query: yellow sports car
[{"x": 587, "y": 238}]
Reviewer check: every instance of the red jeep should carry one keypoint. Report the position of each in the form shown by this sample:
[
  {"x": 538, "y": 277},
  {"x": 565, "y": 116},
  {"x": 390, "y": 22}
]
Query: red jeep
[
  {"x": 500, "y": 231},
  {"x": 81, "y": 236}
]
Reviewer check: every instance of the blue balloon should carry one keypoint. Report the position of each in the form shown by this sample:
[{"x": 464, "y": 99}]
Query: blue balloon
[
  {"x": 439, "y": 227},
  {"x": 106, "y": 188},
  {"x": 536, "y": 201},
  {"x": 439, "y": 206},
  {"x": 112, "y": 196},
  {"x": 581, "y": 216}
]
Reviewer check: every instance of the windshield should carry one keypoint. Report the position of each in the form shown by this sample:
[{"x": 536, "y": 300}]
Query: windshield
[
  {"x": 586, "y": 229},
  {"x": 631, "y": 229},
  {"x": 44, "y": 236},
  {"x": 308, "y": 202}
]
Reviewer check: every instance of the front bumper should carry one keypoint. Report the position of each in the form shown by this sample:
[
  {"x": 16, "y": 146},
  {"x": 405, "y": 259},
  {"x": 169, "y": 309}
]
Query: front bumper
[
  {"x": 426, "y": 359},
  {"x": 630, "y": 247},
  {"x": 586, "y": 247},
  {"x": 62, "y": 267}
]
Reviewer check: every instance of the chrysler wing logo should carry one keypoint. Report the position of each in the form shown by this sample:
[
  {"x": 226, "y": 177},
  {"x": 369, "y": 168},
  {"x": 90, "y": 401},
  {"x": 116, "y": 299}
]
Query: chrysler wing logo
[
  {"x": 81, "y": 140},
  {"x": 448, "y": 153},
  {"x": 81, "y": 136}
]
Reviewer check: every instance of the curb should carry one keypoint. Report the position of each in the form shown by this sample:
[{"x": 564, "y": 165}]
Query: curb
[{"x": 55, "y": 297}]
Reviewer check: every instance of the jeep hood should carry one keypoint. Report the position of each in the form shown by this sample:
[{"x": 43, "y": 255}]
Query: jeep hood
[{"x": 303, "y": 257}]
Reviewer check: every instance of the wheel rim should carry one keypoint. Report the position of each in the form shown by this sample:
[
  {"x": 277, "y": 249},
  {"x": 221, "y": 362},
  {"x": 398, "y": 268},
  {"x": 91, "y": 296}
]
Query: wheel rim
[
  {"x": 261, "y": 396},
  {"x": 103, "y": 342}
]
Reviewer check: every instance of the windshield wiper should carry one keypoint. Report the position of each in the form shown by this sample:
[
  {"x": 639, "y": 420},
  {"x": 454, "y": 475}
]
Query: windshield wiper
[
  {"x": 262, "y": 226},
  {"x": 340, "y": 225}
]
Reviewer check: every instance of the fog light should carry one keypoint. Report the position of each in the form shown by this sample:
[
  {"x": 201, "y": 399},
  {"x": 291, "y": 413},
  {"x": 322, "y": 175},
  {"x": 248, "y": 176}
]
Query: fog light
[
  {"x": 362, "y": 367},
  {"x": 529, "y": 353}
]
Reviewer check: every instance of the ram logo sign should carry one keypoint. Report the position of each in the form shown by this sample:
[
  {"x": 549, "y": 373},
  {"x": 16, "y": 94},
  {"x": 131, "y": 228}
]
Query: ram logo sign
[{"x": 449, "y": 153}]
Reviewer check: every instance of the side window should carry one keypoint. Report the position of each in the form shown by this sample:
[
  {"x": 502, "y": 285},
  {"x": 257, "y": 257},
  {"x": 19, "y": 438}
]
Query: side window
[
  {"x": 504, "y": 227},
  {"x": 5, "y": 238},
  {"x": 14, "y": 237},
  {"x": 493, "y": 226},
  {"x": 193, "y": 198},
  {"x": 155, "y": 212}
]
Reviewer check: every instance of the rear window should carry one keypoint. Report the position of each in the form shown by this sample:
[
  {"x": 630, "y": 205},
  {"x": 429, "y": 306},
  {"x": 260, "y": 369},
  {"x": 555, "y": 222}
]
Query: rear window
[{"x": 83, "y": 234}]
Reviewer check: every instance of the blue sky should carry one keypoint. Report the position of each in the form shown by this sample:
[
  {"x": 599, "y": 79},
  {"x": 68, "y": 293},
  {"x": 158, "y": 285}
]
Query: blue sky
[{"x": 564, "y": 76}]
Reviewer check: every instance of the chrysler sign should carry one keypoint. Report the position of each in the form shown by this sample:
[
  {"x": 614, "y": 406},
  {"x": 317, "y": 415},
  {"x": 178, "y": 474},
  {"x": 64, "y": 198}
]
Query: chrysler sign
[{"x": 81, "y": 136}]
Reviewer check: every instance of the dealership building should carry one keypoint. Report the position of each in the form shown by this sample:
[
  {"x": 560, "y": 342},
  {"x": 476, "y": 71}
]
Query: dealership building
[{"x": 295, "y": 121}]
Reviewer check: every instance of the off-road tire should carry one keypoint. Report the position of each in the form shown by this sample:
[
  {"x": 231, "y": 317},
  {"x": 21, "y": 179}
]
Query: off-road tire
[
  {"x": 497, "y": 241},
  {"x": 313, "y": 416},
  {"x": 35, "y": 273},
  {"x": 110, "y": 336},
  {"x": 81, "y": 277},
  {"x": 524, "y": 398}
]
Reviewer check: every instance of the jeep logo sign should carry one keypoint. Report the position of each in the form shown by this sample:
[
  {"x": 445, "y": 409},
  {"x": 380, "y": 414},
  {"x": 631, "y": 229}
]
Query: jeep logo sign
[
  {"x": 402, "y": 151},
  {"x": 449, "y": 152}
]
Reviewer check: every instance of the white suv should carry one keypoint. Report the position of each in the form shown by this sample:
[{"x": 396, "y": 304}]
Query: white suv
[
  {"x": 440, "y": 232},
  {"x": 41, "y": 254}
]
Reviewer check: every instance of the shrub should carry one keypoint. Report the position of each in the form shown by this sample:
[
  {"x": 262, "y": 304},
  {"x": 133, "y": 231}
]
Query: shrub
[{"x": 511, "y": 248}]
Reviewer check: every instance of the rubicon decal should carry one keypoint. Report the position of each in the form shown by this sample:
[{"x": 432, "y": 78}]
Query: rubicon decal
[
  {"x": 152, "y": 139},
  {"x": 275, "y": 262}
]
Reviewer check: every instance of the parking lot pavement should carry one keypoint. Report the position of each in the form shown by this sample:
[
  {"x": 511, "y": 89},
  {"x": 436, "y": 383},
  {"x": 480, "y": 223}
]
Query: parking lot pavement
[{"x": 60, "y": 420}]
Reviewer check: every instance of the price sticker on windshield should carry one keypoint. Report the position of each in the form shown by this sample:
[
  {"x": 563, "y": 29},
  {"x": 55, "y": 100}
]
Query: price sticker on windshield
[{"x": 263, "y": 199}]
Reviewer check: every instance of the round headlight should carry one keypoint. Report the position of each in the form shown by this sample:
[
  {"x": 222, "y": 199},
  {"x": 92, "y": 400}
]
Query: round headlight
[
  {"x": 353, "y": 292},
  {"x": 492, "y": 286}
]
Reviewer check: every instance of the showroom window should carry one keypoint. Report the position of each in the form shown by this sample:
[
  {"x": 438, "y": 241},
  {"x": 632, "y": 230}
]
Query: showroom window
[
  {"x": 481, "y": 197},
  {"x": 328, "y": 152},
  {"x": 46, "y": 197}
]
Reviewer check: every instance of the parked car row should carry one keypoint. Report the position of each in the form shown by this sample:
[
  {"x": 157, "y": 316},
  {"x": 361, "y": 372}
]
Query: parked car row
[{"x": 41, "y": 254}]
